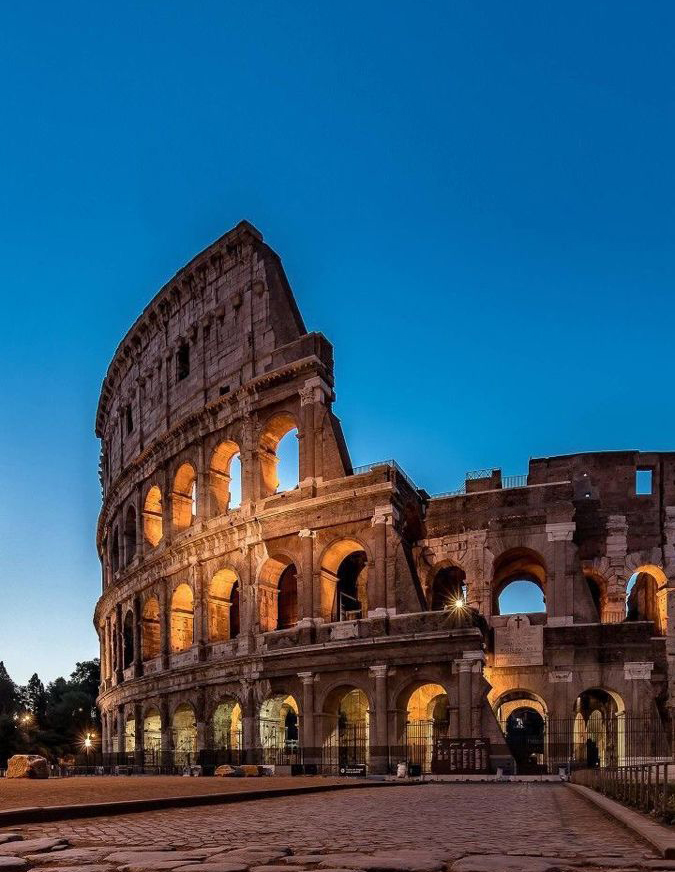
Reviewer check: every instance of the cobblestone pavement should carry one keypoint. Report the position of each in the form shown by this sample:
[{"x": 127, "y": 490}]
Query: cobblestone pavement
[{"x": 418, "y": 828}]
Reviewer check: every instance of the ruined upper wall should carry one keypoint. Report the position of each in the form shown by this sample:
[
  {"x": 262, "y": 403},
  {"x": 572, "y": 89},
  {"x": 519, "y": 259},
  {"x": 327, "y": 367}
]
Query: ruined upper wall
[{"x": 232, "y": 308}]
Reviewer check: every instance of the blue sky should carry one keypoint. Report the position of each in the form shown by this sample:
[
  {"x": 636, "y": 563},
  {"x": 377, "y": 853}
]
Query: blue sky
[{"x": 473, "y": 200}]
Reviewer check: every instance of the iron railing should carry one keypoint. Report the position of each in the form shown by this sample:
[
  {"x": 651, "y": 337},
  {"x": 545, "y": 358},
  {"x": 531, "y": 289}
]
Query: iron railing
[
  {"x": 369, "y": 467},
  {"x": 647, "y": 787}
]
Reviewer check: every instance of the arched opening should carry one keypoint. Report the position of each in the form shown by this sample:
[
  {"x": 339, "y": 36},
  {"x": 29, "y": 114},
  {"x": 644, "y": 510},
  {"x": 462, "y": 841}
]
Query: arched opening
[
  {"x": 130, "y": 535},
  {"x": 598, "y": 591},
  {"x": 226, "y": 725},
  {"x": 427, "y": 720},
  {"x": 151, "y": 629},
  {"x": 128, "y": 639},
  {"x": 288, "y": 598},
  {"x": 115, "y": 551},
  {"x": 643, "y": 602},
  {"x": 182, "y": 618},
  {"x": 130, "y": 734},
  {"x": 522, "y": 716},
  {"x": 279, "y": 731},
  {"x": 519, "y": 583},
  {"x": 152, "y": 735},
  {"x": 278, "y": 594},
  {"x": 600, "y": 730},
  {"x": 448, "y": 589},
  {"x": 184, "y": 497},
  {"x": 184, "y": 733},
  {"x": 225, "y": 478},
  {"x": 344, "y": 582},
  {"x": 152, "y": 516},
  {"x": 279, "y": 463},
  {"x": 220, "y": 601},
  {"x": 346, "y": 723},
  {"x": 234, "y": 611}
]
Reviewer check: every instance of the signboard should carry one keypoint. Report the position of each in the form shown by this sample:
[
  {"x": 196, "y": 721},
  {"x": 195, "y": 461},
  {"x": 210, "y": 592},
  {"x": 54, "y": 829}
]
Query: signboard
[
  {"x": 519, "y": 643},
  {"x": 460, "y": 756},
  {"x": 354, "y": 770}
]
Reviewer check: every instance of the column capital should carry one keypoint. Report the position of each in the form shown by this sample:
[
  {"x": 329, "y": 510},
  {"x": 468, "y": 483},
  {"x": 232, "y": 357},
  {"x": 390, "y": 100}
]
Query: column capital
[
  {"x": 314, "y": 390},
  {"x": 307, "y": 534},
  {"x": 307, "y": 677},
  {"x": 561, "y": 532},
  {"x": 379, "y": 671},
  {"x": 384, "y": 515}
]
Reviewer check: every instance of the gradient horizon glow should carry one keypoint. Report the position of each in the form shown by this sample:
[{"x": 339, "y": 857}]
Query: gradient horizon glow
[{"x": 473, "y": 201}]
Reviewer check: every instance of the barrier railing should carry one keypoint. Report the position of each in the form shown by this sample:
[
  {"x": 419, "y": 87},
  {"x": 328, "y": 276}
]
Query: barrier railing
[
  {"x": 646, "y": 787},
  {"x": 368, "y": 467}
]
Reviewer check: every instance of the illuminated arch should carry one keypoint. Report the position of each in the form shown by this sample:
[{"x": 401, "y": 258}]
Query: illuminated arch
[
  {"x": 184, "y": 497},
  {"x": 343, "y": 593},
  {"x": 151, "y": 629},
  {"x": 223, "y": 590},
  {"x": 278, "y": 593},
  {"x": 182, "y": 618},
  {"x": 222, "y": 487},
  {"x": 275, "y": 429},
  {"x": 152, "y": 516}
]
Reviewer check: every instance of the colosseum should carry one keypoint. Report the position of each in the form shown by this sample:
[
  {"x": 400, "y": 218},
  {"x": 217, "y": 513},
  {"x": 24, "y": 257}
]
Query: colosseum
[{"x": 265, "y": 601}]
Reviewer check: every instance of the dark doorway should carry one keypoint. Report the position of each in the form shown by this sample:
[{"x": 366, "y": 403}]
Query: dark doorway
[
  {"x": 288, "y": 598},
  {"x": 525, "y": 737}
]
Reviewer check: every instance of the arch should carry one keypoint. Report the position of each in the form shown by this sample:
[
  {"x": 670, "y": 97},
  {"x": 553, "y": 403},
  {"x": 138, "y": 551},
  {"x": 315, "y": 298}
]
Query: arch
[
  {"x": 597, "y": 587},
  {"x": 184, "y": 729},
  {"x": 274, "y": 430},
  {"x": 643, "y": 599},
  {"x": 152, "y": 730},
  {"x": 346, "y": 727},
  {"x": 278, "y": 593},
  {"x": 516, "y": 698},
  {"x": 182, "y": 618},
  {"x": 115, "y": 551},
  {"x": 427, "y": 718},
  {"x": 128, "y": 639},
  {"x": 279, "y": 729},
  {"x": 599, "y": 728},
  {"x": 226, "y": 725},
  {"x": 184, "y": 497},
  {"x": 448, "y": 587},
  {"x": 220, "y": 601},
  {"x": 287, "y": 603},
  {"x": 130, "y": 734},
  {"x": 344, "y": 581},
  {"x": 525, "y": 568},
  {"x": 224, "y": 478},
  {"x": 152, "y": 516},
  {"x": 129, "y": 535},
  {"x": 151, "y": 629}
]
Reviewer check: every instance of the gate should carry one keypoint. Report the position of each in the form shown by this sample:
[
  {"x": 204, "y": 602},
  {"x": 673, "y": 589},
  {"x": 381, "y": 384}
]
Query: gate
[
  {"x": 347, "y": 745},
  {"x": 277, "y": 748}
]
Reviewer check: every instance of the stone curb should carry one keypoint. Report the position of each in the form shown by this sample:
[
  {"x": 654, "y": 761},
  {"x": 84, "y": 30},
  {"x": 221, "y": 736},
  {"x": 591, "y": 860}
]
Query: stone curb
[
  {"x": 49, "y": 813},
  {"x": 659, "y": 836}
]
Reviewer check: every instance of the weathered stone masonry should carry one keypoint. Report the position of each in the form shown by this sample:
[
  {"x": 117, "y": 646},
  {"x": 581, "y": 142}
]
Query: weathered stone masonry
[{"x": 326, "y": 606}]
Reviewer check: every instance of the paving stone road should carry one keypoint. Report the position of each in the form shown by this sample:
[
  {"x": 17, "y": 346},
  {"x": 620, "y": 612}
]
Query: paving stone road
[{"x": 425, "y": 828}]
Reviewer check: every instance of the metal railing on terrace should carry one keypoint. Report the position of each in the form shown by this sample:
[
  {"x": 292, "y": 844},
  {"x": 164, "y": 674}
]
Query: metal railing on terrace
[
  {"x": 369, "y": 467},
  {"x": 507, "y": 481}
]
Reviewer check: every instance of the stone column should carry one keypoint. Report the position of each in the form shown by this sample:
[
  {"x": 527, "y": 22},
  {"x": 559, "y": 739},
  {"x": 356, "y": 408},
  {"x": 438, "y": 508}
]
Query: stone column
[
  {"x": 202, "y": 486},
  {"x": 166, "y": 739},
  {"x": 307, "y": 460},
  {"x": 121, "y": 723},
  {"x": 560, "y": 582},
  {"x": 251, "y": 742},
  {"x": 119, "y": 644},
  {"x": 140, "y": 535},
  {"x": 383, "y": 516},
  {"x": 464, "y": 668},
  {"x": 167, "y": 516},
  {"x": 379, "y": 755},
  {"x": 311, "y": 751},
  {"x": 200, "y": 713},
  {"x": 138, "y": 643},
  {"x": 165, "y": 623},
  {"x": 138, "y": 735},
  {"x": 200, "y": 632},
  {"x": 306, "y": 603}
]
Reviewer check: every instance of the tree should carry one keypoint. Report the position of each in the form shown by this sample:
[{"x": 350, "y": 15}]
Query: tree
[
  {"x": 9, "y": 693},
  {"x": 35, "y": 699}
]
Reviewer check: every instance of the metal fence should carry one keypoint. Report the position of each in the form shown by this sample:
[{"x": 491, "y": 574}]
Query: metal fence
[{"x": 646, "y": 787}]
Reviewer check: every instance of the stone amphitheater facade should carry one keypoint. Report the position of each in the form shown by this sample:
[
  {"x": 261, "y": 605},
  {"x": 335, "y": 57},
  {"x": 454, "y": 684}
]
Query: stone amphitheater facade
[{"x": 353, "y": 618}]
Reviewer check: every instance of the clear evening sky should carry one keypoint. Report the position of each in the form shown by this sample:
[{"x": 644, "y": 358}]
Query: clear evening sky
[{"x": 474, "y": 201}]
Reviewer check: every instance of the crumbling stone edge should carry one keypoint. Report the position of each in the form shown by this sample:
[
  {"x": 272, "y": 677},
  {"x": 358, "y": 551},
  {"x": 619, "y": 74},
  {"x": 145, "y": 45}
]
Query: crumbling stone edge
[
  {"x": 50, "y": 813},
  {"x": 659, "y": 836}
]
